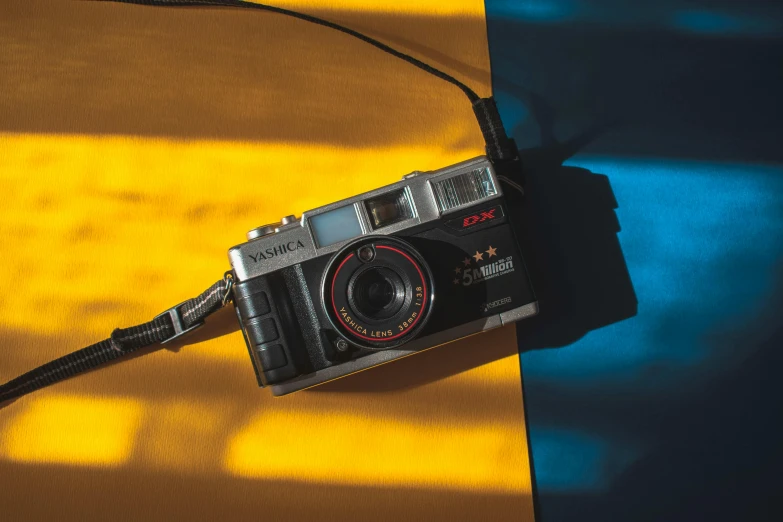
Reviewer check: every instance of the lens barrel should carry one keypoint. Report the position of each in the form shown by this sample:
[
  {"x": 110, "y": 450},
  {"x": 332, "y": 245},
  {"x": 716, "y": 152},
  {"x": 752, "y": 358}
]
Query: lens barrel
[{"x": 378, "y": 292}]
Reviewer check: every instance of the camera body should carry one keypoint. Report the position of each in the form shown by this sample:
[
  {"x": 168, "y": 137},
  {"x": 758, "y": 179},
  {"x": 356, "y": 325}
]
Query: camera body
[{"x": 379, "y": 276}]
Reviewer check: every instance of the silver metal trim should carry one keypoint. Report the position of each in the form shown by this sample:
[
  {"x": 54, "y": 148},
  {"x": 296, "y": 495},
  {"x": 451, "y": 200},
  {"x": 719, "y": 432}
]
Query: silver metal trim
[
  {"x": 415, "y": 346},
  {"x": 263, "y": 230},
  {"x": 522, "y": 312},
  {"x": 294, "y": 242},
  {"x": 364, "y": 218}
]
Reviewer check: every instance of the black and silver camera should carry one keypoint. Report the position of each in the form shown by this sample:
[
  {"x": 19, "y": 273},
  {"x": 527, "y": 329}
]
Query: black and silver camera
[{"x": 379, "y": 276}]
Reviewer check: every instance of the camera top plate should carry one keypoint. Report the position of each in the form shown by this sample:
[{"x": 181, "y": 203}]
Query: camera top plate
[{"x": 431, "y": 195}]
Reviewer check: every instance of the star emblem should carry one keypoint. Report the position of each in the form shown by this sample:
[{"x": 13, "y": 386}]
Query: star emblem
[
  {"x": 456, "y": 281},
  {"x": 466, "y": 261},
  {"x": 479, "y": 256},
  {"x": 491, "y": 251},
  {"x": 457, "y": 270}
]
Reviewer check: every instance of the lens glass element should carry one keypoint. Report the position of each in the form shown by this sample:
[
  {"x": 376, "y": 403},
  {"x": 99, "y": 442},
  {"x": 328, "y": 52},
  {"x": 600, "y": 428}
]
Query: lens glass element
[{"x": 378, "y": 293}]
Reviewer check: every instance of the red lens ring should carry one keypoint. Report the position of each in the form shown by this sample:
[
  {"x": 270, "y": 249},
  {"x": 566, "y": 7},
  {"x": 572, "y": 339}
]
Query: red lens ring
[{"x": 423, "y": 302}]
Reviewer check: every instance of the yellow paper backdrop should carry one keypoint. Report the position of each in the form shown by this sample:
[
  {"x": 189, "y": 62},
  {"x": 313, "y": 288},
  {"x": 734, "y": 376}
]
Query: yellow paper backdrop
[{"x": 138, "y": 144}]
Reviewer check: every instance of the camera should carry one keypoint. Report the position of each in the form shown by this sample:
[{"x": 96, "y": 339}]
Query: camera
[{"x": 379, "y": 276}]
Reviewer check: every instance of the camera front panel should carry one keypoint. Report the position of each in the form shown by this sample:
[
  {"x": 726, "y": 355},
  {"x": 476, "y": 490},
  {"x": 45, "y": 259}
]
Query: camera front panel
[
  {"x": 479, "y": 279},
  {"x": 478, "y": 270}
]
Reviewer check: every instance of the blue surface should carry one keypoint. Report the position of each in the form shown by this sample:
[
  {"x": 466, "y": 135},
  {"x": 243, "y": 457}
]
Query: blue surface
[{"x": 653, "y": 136}]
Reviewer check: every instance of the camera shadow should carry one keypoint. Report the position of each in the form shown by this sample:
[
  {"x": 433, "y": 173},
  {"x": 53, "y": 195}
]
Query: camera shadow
[{"x": 568, "y": 230}]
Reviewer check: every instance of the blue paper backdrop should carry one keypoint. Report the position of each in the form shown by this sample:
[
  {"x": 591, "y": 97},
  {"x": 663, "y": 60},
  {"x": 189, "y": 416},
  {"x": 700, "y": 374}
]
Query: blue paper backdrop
[{"x": 653, "y": 135}]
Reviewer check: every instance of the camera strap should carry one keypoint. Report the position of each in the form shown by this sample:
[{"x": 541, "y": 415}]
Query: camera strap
[
  {"x": 190, "y": 314},
  {"x": 167, "y": 326}
]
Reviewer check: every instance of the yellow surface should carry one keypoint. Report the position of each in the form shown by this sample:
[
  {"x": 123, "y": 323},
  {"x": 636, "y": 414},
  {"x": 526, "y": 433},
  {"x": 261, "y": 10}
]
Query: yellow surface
[
  {"x": 136, "y": 146},
  {"x": 74, "y": 430},
  {"x": 429, "y": 7}
]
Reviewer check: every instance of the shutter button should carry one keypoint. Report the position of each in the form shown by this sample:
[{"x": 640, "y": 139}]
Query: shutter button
[{"x": 262, "y": 231}]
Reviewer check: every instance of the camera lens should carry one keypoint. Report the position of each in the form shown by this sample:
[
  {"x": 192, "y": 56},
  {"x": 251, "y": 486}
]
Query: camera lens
[
  {"x": 378, "y": 301},
  {"x": 377, "y": 293}
]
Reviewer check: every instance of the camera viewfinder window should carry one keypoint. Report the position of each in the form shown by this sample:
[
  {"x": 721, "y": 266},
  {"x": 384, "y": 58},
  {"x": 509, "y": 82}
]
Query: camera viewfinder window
[
  {"x": 336, "y": 225},
  {"x": 389, "y": 208}
]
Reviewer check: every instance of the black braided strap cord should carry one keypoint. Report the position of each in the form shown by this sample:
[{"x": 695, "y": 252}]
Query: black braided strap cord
[
  {"x": 122, "y": 342},
  {"x": 499, "y": 146},
  {"x": 210, "y": 301}
]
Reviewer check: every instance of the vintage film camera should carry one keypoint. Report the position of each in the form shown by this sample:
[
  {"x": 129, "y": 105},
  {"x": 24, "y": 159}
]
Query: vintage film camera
[
  {"x": 369, "y": 279},
  {"x": 359, "y": 282}
]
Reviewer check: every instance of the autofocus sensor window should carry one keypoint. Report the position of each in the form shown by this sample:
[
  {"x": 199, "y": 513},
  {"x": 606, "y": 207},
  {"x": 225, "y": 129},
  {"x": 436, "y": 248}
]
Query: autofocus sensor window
[{"x": 378, "y": 301}]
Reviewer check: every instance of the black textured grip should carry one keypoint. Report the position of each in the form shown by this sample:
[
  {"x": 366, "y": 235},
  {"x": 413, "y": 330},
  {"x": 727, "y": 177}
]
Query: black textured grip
[{"x": 264, "y": 327}]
